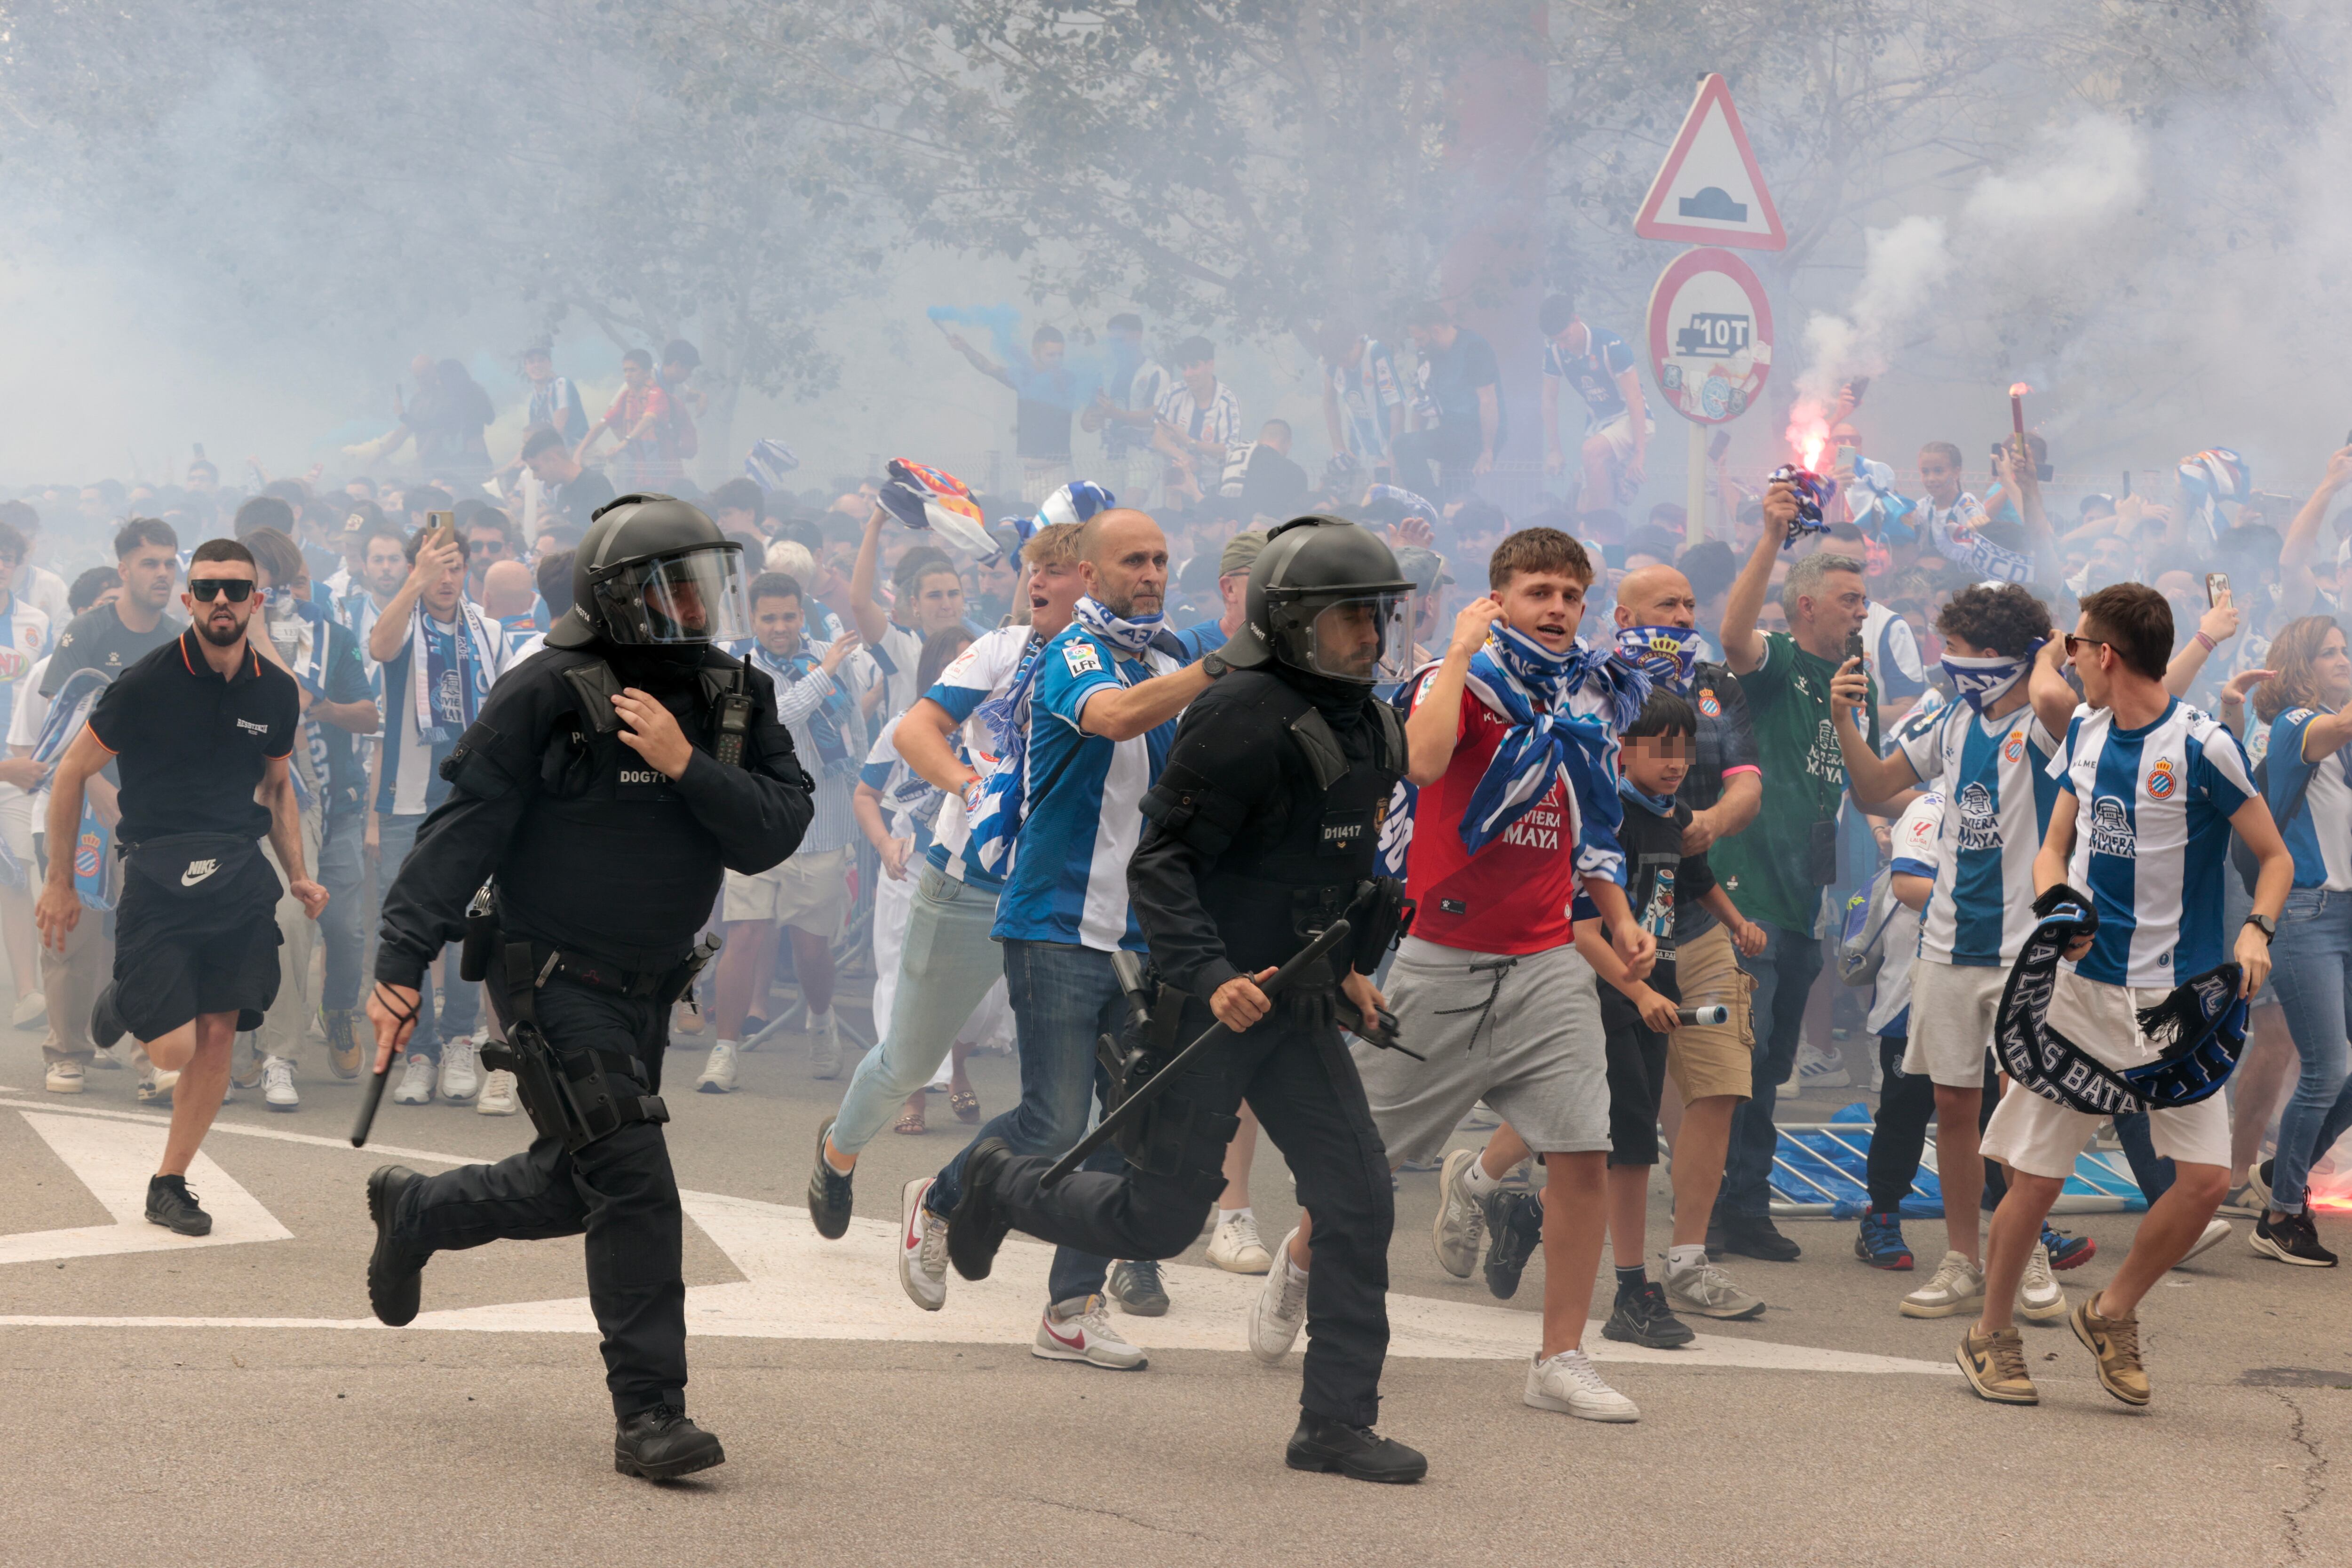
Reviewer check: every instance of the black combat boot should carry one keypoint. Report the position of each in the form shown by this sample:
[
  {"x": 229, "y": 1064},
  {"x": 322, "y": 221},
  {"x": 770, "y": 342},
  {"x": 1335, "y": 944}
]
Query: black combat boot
[
  {"x": 1359, "y": 1452},
  {"x": 394, "y": 1272},
  {"x": 977, "y": 1227},
  {"x": 662, "y": 1444}
]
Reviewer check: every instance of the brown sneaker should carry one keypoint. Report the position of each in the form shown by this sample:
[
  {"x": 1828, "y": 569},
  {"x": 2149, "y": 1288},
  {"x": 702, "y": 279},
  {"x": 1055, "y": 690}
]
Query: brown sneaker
[
  {"x": 1994, "y": 1365},
  {"x": 2114, "y": 1344}
]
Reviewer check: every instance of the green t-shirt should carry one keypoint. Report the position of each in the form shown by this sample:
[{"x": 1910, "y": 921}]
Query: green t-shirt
[{"x": 1766, "y": 868}]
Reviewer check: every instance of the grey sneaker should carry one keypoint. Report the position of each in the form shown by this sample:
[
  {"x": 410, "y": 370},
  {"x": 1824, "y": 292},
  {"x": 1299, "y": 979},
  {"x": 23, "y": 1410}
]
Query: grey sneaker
[
  {"x": 1135, "y": 1286},
  {"x": 1278, "y": 1310},
  {"x": 825, "y": 1049},
  {"x": 1958, "y": 1286},
  {"x": 1708, "y": 1291},
  {"x": 2040, "y": 1298},
  {"x": 1461, "y": 1224},
  {"x": 1080, "y": 1331}
]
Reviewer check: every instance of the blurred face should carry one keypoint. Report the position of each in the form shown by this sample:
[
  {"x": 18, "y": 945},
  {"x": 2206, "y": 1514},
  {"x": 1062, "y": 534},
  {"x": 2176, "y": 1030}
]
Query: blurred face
[
  {"x": 1546, "y": 605},
  {"x": 996, "y": 581},
  {"x": 1129, "y": 571},
  {"x": 2095, "y": 662},
  {"x": 421, "y": 367},
  {"x": 2186, "y": 597},
  {"x": 939, "y": 602},
  {"x": 484, "y": 546},
  {"x": 1657, "y": 764},
  {"x": 1049, "y": 356},
  {"x": 776, "y": 621},
  {"x": 1659, "y": 596},
  {"x": 217, "y": 620},
  {"x": 679, "y": 602},
  {"x": 1941, "y": 477},
  {"x": 549, "y": 465},
  {"x": 441, "y": 599},
  {"x": 1835, "y": 609},
  {"x": 1054, "y": 594},
  {"x": 735, "y": 520},
  {"x": 1201, "y": 380},
  {"x": 635, "y": 374},
  {"x": 1348, "y": 640},
  {"x": 2331, "y": 670},
  {"x": 385, "y": 566},
  {"x": 148, "y": 573},
  {"x": 538, "y": 367}
]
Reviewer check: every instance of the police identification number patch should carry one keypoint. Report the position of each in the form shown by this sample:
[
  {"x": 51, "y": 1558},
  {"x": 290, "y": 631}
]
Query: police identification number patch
[{"x": 1080, "y": 655}]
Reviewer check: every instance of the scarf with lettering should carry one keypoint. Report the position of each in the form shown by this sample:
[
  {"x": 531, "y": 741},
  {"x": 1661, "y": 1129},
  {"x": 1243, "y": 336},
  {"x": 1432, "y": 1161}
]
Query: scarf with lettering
[
  {"x": 1957, "y": 534},
  {"x": 307, "y": 660},
  {"x": 432, "y": 671},
  {"x": 1982, "y": 682},
  {"x": 1526, "y": 683}
]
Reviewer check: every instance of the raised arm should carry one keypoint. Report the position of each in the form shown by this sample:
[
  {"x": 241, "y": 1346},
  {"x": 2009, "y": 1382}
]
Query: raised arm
[
  {"x": 1130, "y": 710},
  {"x": 872, "y": 623},
  {"x": 1743, "y": 645},
  {"x": 1435, "y": 722},
  {"x": 2296, "y": 589}
]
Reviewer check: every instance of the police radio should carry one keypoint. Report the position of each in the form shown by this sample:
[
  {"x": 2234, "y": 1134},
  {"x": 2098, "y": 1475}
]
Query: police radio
[{"x": 732, "y": 724}]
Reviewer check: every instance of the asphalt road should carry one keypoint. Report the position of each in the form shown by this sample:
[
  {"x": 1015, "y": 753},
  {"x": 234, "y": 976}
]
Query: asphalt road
[{"x": 173, "y": 1402}]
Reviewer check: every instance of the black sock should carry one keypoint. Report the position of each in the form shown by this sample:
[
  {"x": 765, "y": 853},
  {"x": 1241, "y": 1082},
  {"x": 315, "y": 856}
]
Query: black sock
[{"x": 1630, "y": 1281}]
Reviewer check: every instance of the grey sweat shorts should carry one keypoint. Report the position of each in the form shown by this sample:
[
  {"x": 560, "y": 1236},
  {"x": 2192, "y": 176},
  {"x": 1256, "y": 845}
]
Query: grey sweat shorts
[{"x": 1520, "y": 1031}]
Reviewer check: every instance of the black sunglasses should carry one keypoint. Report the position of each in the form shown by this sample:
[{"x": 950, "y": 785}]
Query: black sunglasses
[
  {"x": 234, "y": 589},
  {"x": 2072, "y": 642}
]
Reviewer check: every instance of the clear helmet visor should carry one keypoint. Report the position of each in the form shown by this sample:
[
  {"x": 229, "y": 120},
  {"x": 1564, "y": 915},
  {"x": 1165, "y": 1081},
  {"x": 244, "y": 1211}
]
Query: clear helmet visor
[
  {"x": 1366, "y": 639},
  {"x": 693, "y": 597}
]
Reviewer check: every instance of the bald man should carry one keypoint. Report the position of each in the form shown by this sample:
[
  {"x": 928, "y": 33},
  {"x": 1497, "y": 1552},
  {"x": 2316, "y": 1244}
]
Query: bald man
[{"x": 1102, "y": 709}]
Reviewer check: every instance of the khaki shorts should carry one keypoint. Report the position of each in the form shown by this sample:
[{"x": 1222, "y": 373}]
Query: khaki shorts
[
  {"x": 2042, "y": 1138},
  {"x": 807, "y": 892},
  {"x": 1707, "y": 1059},
  {"x": 1952, "y": 1009}
]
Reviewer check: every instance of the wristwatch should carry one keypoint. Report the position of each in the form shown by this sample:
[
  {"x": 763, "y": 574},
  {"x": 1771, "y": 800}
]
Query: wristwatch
[
  {"x": 1213, "y": 666},
  {"x": 2264, "y": 924}
]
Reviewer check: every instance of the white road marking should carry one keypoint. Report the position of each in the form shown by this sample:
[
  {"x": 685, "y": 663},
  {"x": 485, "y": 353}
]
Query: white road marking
[{"x": 114, "y": 1161}]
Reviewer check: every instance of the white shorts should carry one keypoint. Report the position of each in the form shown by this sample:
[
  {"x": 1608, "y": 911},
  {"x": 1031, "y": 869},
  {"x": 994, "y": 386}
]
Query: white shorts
[
  {"x": 1952, "y": 1009},
  {"x": 1618, "y": 431},
  {"x": 807, "y": 892},
  {"x": 2042, "y": 1138}
]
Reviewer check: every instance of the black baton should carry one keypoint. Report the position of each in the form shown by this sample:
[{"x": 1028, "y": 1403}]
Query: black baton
[
  {"x": 372, "y": 1097},
  {"x": 1135, "y": 1104}
]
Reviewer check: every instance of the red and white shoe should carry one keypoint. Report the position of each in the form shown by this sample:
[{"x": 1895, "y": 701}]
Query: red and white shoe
[
  {"x": 1080, "y": 1329},
  {"x": 922, "y": 1247}
]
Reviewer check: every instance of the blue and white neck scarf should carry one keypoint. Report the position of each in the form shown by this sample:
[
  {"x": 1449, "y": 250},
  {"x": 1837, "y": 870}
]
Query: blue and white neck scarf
[
  {"x": 308, "y": 663},
  {"x": 1666, "y": 655},
  {"x": 1130, "y": 634},
  {"x": 996, "y": 824},
  {"x": 1526, "y": 683},
  {"x": 447, "y": 691},
  {"x": 1655, "y": 804},
  {"x": 1982, "y": 682},
  {"x": 830, "y": 723}
]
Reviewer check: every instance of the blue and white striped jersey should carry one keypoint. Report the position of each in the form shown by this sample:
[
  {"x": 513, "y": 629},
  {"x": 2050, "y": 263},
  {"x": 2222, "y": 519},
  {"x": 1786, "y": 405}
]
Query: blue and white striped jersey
[
  {"x": 2320, "y": 836},
  {"x": 1085, "y": 802},
  {"x": 1992, "y": 775},
  {"x": 2152, "y": 840},
  {"x": 982, "y": 670}
]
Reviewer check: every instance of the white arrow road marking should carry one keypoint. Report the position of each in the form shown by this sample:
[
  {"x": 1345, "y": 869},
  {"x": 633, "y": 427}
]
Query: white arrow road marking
[{"x": 113, "y": 1160}]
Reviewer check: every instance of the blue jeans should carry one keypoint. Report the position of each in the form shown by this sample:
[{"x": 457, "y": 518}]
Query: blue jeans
[
  {"x": 945, "y": 969},
  {"x": 1784, "y": 972},
  {"x": 1063, "y": 995},
  {"x": 342, "y": 872},
  {"x": 2313, "y": 976},
  {"x": 461, "y": 1008}
]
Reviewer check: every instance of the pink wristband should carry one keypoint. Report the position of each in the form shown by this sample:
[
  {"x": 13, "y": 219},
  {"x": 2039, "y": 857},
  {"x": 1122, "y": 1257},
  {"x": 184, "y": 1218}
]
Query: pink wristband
[{"x": 2210, "y": 644}]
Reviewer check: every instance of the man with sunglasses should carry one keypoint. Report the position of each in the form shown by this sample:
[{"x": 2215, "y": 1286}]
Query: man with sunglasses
[{"x": 201, "y": 732}]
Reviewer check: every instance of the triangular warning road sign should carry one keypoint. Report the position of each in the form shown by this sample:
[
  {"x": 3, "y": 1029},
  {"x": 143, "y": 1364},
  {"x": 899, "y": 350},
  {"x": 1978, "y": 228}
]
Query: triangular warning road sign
[{"x": 1709, "y": 190}]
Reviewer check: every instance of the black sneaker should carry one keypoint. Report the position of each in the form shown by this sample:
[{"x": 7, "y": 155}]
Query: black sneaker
[
  {"x": 172, "y": 1206},
  {"x": 2292, "y": 1240},
  {"x": 1755, "y": 1237},
  {"x": 106, "y": 1024},
  {"x": 1134, "y": 1286},
  {"x": 828, "y": 1190},
  {"x": 975, "y": 1228},
  {"x": 1356, "y": 1452},
  {"x": 662, "y": 1444},
  {"x": 1643, "y": 1318},
  {"x": 1514, "y": 1231},
  {"x": 395, "y": 1282}
]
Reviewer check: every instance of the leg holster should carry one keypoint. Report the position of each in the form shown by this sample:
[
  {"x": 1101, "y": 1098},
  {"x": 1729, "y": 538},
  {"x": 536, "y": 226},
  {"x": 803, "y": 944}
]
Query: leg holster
[{"x": 575, "y": 1097}]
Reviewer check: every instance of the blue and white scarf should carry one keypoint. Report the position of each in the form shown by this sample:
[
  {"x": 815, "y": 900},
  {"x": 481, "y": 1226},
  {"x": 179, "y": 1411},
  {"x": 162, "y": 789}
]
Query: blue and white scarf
[
  {"x": 1527, "y": 683},
  {"x": 1666, "y": 655},
  {"x": 1980, "y": 682},
  {"x": 430, "y": 671},
  {"x": 1958, "y": 535},
  {"x": 831, "y": 721},
  {"x": 308, "y": 663},
  {"x": 1887, "y": 510},
  {"x": 1004, "y": 799},
  {"x": 1073, "y": 502}
]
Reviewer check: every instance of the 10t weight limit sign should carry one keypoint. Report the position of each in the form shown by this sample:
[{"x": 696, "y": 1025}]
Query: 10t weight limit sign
[{"x": 1710, "y": 332}]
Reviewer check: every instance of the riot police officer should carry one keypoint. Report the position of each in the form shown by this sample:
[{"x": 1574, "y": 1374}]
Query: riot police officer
[
  {"x": 606, "y": 783},
  {"x": 1262, "y": 831}
]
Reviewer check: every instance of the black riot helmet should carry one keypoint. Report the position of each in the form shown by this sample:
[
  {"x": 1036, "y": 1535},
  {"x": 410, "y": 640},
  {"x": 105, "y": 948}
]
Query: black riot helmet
[
  {"x": 653, "y": 572},
  {"x": 1326, "y": 597}
]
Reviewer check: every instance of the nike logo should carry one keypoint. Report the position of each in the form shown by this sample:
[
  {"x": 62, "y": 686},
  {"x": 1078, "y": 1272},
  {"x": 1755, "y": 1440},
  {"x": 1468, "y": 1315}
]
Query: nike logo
[
  {"x": 914, "y": 1237},
  {"x": 197, "y": 871},
  {"x": 1078, "y": 1343}
]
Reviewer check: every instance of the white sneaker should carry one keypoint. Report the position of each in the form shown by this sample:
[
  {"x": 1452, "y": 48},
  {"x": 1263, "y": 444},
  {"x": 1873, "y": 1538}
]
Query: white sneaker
[
  {"x": 922, "y": 1247},
  {"x": 825, "y": 1049},
  {"x": 2217, "y": 1231},
  {"x": 718, "y": 1072},
  {"x": 1707, "y": 1291},
  {"x": 498, "y": 1095},
  {"x": 416, "y": 1086},
  {"x": 66, "y": 1078},
  {"x": 2040, "y": 1296},
  {"x": 1461, "y": 1223},
  {"x": 30, "y": 1010},
  {"x": 1081, "y": 1330},
  {"x": 1958, "y": 1286},
  {"x": 1279, "y": 1309},
  {"x": 1569, "y": 1381},
  {"x": 461, "y": 1070},
  {"x": 1236, "y": 1249},
  {"x": 277, "y": 1085},
  {"x": 1816, "y": 1068},
  {"x": 157, "y": 1087}
]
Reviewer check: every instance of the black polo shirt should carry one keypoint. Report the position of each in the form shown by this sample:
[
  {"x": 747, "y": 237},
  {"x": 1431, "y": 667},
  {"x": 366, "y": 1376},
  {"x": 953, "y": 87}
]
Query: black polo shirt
[
  {"x": 192, "y": 747},
  {"x": 97, "y": 639}
]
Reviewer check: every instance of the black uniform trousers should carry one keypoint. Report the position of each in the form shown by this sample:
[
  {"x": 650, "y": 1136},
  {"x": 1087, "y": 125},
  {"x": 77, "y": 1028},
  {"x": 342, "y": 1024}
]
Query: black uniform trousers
[
  {"x": 618, "y": 1190},
  {"x": 1298, "y": 1079}
]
